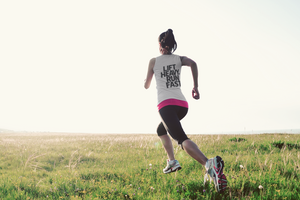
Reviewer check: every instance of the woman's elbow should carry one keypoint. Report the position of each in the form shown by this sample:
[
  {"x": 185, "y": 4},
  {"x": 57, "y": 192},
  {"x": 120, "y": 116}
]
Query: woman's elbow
[{"x": 193, "y": 64}]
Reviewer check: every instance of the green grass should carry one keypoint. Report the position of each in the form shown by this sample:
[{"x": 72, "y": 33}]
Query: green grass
[
  {"x": 234, "y": 139},
  {"x": 90, "y": 166}
]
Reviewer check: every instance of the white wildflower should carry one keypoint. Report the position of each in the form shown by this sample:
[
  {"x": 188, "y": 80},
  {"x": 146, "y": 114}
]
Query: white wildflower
[{"x": 260, "y": 187}]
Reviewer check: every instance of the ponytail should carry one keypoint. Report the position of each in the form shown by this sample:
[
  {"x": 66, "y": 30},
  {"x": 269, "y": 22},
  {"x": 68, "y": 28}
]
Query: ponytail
[{"x": 167, "y": 40}]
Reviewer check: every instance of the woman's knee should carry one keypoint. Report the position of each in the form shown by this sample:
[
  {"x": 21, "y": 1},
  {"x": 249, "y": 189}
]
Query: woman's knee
[
  {"x": 161, "y": 130},
  {"x": 182, "y": 139}
]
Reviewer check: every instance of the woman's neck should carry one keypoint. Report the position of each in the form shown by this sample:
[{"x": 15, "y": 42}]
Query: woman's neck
[{"x": 166, "y": 53}]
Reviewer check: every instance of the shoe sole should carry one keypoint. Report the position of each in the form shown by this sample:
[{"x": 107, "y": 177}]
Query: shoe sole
[{"x": 176, "y": 168}]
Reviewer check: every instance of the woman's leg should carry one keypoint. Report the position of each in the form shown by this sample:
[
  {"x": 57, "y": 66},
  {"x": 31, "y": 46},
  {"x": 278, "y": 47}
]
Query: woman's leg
[
  {"x": 192, "y": 149},
  {"x": 171, "y": 116},
  {"x": 172, "y": 164},
  {"x": 165, "y": 139}
]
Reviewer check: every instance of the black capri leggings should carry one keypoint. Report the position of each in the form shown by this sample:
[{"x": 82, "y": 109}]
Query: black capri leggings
[{"x": 171, "y": 116}]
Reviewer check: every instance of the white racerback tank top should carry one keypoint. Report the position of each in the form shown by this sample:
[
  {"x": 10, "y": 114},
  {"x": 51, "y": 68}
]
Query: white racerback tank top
[{"x": 167, "y": 71}]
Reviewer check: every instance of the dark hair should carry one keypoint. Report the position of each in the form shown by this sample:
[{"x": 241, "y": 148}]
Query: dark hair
[{"x": 167, "y": 40}]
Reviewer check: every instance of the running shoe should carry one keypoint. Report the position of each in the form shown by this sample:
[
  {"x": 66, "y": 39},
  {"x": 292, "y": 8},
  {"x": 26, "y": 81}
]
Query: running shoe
[
  {"x": 214, "y": 168},
  {"x": 172, "y": 166}
]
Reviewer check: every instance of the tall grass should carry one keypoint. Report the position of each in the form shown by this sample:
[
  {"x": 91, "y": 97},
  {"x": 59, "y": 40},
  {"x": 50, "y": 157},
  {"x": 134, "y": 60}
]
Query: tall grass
[{"x": 91, "y": 166}]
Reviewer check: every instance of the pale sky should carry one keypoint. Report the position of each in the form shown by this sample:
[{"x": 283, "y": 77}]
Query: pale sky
[{"x": 79, "y": 66}]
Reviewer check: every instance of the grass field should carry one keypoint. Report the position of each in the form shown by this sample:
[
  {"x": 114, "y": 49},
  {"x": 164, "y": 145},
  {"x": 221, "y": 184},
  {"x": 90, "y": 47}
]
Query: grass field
[{"x": 90, "y": 166}]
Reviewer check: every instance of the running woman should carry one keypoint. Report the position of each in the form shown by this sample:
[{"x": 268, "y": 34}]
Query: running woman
[{"x": 173, "y": 107}]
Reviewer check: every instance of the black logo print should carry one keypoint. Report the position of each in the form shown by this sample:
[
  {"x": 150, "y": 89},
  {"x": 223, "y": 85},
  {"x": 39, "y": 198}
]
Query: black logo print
[{"x": 172, "y": 76}]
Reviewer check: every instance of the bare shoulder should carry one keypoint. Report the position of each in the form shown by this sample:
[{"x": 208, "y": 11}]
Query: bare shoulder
[
  {"x": 152, "y": 60},
  {"x": 152, "y": 63},
  {"x": 187, "y": 61}
]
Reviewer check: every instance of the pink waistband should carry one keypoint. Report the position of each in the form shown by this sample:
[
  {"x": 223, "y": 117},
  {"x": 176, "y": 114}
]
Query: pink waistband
[{"x": 174, "y": 102}]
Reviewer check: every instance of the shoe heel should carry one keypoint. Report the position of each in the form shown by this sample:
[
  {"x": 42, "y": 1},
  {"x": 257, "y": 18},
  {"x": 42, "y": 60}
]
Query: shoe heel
[{"x": 219, "y": 160}]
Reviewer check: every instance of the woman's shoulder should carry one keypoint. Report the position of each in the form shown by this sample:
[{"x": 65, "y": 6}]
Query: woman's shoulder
[{"x": 152, "y": 60}]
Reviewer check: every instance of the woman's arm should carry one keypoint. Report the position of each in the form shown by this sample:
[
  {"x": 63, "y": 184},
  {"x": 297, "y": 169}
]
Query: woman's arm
[
  {"x": 149, "y": 73},
  {"x": 189, "y": 62}
]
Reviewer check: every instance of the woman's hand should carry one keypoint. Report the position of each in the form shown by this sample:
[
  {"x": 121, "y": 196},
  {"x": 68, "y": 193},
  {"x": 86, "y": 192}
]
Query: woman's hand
[{"x": 195, "y": 93}]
